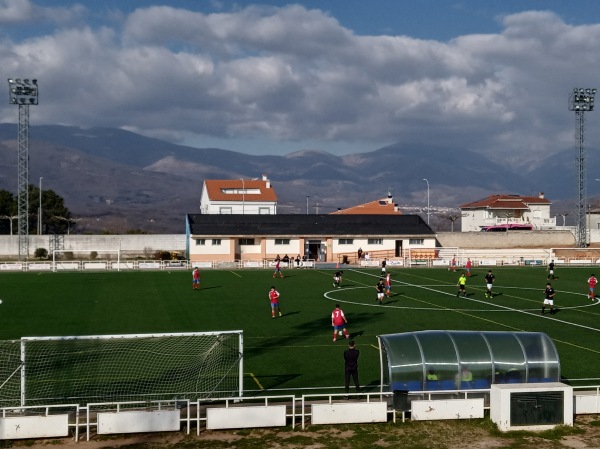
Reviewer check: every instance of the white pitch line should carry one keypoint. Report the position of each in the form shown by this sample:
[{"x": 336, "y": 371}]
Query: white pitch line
[{"x": 506, "y": 308}]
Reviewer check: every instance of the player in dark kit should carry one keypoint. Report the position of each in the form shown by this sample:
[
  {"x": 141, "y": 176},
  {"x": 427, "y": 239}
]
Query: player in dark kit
[
  {"x": 489, "y": 282},
  {"x": 337, "y": 279},
  {"x": 380, "y": 288},
  {"x": 548, "y": 299},
  {"x": 551, "y": 270}
]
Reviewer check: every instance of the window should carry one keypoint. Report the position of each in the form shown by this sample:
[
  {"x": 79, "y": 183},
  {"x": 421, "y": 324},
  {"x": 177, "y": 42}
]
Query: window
[
  {"x": 375, "y": 241},
  {"x": 345, "y": 241},
  {"x": 216, "y": 242},
  {"x": 200, "y": 242},
  {"x": 246, "y": 241},
  {"x": 416, "y": 241},
  {"x": 282, "y": 241},
  {"x": 225, "y": 210},
  {"x": 264, "y": 211}
]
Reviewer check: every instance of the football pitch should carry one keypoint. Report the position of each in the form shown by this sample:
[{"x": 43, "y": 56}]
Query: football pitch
[{"x": 295, "y": 352}]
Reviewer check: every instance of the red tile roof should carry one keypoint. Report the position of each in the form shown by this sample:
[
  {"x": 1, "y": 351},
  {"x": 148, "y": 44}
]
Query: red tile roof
[
  {"x": 216, "y": 189},
  {"x": 384, "y": 206},
  {"x": 506, "y": 202}
]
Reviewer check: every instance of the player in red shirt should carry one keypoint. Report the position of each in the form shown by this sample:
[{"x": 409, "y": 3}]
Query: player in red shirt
[
  {"x": 388, "y": 285},
  {"x": 274, "y": 298},
  {"x": 196, "y": 279},
  {"x": 278, "y": 268},
  {"x": 592, "y": 281},
  {"x": 338, "y": 321},
  {"x": 468, "y": 267}
]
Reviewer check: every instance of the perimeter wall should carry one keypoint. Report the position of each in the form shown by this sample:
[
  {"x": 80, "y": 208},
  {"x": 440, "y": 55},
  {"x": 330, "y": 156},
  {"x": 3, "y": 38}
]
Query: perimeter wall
[{"x": 145, "y": 245}]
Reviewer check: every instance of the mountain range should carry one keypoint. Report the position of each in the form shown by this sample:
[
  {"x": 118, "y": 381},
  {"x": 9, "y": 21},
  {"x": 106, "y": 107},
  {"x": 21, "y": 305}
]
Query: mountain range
[{"x": 114, "y": 180}]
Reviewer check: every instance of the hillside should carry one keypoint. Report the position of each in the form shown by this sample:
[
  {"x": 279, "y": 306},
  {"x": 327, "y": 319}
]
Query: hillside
[{"x": 117, "y": 180}]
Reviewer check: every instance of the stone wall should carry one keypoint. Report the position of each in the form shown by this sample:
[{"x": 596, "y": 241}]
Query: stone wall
[{"x": 513, "y": 239}]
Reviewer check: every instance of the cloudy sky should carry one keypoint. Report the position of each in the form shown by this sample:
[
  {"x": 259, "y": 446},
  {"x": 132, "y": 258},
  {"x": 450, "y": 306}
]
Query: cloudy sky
[{"x": 341, "y": 76}]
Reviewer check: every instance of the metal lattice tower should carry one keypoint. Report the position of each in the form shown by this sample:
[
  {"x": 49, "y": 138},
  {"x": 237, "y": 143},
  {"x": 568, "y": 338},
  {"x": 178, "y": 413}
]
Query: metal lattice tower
[
  {"x": 580, "y": 101},
  {"x": 23, "y": 93}
]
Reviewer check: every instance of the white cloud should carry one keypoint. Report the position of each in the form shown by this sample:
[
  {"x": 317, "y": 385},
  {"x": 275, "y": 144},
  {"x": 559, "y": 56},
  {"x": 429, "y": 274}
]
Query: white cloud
[
  {"x": 24, "y": 11},
  {"x": 290, "y": 74}
]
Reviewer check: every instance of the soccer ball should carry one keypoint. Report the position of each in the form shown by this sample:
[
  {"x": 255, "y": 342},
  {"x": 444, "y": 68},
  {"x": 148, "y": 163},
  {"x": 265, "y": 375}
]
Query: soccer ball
[{"x": 340, "y": 333}]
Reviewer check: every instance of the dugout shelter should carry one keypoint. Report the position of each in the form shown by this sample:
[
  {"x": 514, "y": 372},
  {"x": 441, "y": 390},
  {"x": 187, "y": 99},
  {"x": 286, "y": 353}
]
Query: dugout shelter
[{"x": 453, "y": 360}]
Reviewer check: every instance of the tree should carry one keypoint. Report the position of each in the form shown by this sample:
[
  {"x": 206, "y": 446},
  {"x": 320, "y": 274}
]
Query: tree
[
  {"x": 52, "y": 206},
  {"x": 453, "y": 218},
  {"x": 8, "y": 212}
]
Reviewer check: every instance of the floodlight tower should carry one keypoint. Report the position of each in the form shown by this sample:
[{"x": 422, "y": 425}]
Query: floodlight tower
[
  {"x": 580, "y": 101},
  {"x": 23, "y": 92}
]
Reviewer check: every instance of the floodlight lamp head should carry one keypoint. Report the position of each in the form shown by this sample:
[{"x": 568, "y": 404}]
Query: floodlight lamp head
[{"x": 34, "y": 82}]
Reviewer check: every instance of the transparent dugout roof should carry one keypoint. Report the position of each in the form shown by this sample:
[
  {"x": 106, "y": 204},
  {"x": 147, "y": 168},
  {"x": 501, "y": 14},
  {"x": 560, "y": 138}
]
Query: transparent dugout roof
[{"x": 450, "y": 360}]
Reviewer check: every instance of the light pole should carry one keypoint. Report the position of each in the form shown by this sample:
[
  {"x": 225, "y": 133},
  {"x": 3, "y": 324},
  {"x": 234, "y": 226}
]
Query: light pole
[
  {"x": 428, "y": 209},
  {"x": 580, "y": 101},
  {"x": 307, "y": 197},
  {"x": 23, "y": 93},
  {"x": 243, "y": 197},
  {"x": 40, "y": 209}
]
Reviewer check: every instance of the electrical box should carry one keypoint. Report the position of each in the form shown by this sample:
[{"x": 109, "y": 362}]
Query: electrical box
[{"x": 538, "y": 406}]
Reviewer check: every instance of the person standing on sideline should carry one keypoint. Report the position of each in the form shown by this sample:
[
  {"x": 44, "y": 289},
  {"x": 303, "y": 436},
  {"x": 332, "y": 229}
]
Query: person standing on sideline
[
  {"x": 278, "y": 268},
  {"x": 388, "y": 285},
  {"x": 383, "y": 264},
  {"x": 462, "y": 285},
  {"x": 380, "y": 289},
  {"x": 548, "y": 299},
  {"x": 468, "y": 267},
  {"x": 196, "y": 279},
  {"x": 452, "y": 264},
  {"x": 592, "y": 281},
  {"x": 274, "y": 298},
  {"x": 489, "y": 283},
  {"x": 337, "y": 279},
  {"x": 551, "y": 270},
  {"x": 351, "y": 367},
  {"x": 339, "y": 321}
]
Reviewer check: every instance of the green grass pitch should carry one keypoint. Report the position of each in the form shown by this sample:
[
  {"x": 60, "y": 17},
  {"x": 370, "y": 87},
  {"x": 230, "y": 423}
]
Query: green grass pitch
[{"x": 296, "y": 351}]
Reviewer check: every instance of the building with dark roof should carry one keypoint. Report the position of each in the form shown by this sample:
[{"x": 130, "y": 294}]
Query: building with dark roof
[{"x": 326, "y": 238}]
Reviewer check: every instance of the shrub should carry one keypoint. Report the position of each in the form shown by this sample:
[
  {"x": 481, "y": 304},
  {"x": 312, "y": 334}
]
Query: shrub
[
  {"x": 41, "y": 253},
  {"x": 93, "y": 255},
  {"x": 69, "y": 255},
  {"x": 162, "y": 255}
]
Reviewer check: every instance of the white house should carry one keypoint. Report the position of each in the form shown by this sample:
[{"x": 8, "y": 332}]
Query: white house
[
  {"x": 238, "y": 196},
  {"x": 503, "y": 209}
]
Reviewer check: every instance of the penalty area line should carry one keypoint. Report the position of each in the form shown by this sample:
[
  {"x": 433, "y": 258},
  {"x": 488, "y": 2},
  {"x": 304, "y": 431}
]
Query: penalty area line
[{"x": 233, "y": 272}]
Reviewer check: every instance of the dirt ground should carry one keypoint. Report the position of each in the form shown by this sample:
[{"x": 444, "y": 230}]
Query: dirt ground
[{"x": 477, "y": 434}]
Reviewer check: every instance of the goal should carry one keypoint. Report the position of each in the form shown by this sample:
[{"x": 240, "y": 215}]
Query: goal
[
  {"x": 58, "y": 262},
  {"x": 118, "y": 368}
]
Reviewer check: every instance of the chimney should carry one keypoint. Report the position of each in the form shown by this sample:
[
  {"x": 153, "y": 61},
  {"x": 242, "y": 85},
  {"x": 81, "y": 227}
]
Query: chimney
[
  {"x": 541, "y": 195},
  {"x": 389, "y": 197},
  {"x": 266, "y": 179}
]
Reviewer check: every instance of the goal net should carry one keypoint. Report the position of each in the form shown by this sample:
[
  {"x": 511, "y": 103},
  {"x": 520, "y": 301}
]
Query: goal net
[
  {"x": 118, "y": 368},
  {"x": 64, "y": 258}
]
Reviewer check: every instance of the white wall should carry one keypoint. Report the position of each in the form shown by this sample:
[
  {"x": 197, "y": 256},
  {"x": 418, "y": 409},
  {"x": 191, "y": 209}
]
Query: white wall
[{"x": 144, "y": 245}]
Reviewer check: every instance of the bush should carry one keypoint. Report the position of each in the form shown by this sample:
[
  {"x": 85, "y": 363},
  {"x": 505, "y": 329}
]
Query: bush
[
  {"x": 162, "y": 255},
  {"x": 41, "y": 253},
  {"x": 69, "y": 255},
  {"x": 93, "y": 255}
]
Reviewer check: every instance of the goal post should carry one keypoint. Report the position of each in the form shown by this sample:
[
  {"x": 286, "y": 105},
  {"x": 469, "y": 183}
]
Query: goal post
[
  {"x": 57, "y": 252},
  {"x": 120, "y": 368}
]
